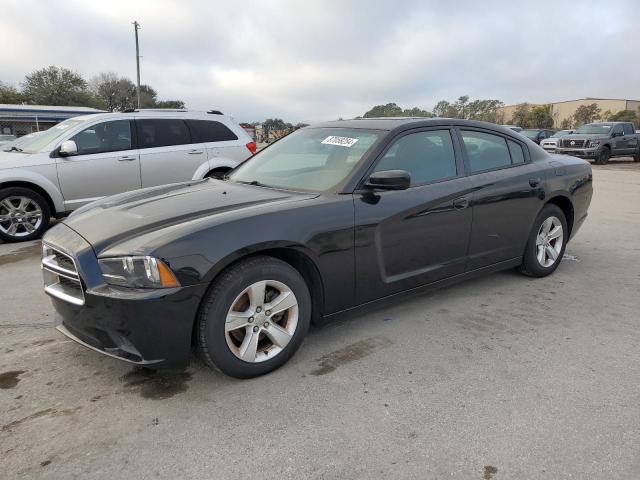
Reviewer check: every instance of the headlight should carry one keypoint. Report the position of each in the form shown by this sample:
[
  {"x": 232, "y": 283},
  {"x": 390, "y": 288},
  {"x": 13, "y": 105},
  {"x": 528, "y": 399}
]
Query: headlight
[
  {"x": 137, "y": 272},
  {"x": 594, "y": 143}
]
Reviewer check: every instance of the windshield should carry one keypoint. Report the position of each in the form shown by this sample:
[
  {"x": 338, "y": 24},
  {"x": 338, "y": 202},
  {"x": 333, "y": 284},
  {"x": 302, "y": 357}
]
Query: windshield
[
  {"x": 37, "y": 142},
  {"x": 561, "y": 133},
  {"x": 311, "y": 159},
  {"x": 533, "y": 134},
  {"x": 593, "y": 128}
]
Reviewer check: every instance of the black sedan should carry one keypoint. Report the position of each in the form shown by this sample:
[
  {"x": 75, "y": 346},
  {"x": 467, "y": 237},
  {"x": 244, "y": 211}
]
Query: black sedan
[{"x": 329, "y": 219}]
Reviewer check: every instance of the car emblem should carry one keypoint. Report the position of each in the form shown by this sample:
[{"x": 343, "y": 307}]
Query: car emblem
[{"x": 573, "y": 142}]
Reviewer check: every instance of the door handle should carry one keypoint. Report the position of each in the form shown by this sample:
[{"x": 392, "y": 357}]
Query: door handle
[
  {"x": 196, "y": 152},
  {"x": 534, "y": 182},
  {"x": 460, "y": 203},
  {"x": 128, "y": 158}
]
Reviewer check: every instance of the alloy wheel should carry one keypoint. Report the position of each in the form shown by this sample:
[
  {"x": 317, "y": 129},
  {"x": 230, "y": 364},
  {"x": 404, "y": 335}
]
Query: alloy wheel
[
  {"x": 261, "y": 321},
  {"x": 19, "y": 216},
  {"x": 549, "y": 241}
]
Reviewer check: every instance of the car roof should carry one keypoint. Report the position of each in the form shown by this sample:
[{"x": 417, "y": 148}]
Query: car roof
[
  {"x": 393, "y": 123},
  {"x": 159, "y": 113}
]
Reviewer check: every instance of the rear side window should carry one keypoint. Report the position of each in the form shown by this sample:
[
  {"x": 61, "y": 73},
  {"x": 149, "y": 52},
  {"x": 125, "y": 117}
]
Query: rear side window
[
  {"x": 485, "y": 151},
  {"x": 210, "y": 131},
  {"x": 517, "y": 154},
  {"x": 162, "y": 132}
]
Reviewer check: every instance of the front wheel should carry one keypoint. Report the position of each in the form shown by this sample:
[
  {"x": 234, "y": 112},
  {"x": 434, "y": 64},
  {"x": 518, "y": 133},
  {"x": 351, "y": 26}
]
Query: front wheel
[
  {"x": 254, "y": 317},
  {"x": 603, "y": 156},
  {"x": 24, "y": 214},
  {"x": 547, "y": 241}
]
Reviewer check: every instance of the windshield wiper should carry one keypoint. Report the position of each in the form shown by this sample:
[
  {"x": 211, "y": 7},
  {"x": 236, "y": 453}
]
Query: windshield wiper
[
  {"x": 13, "y": 149},
  {"x": 252, "y": 182}
]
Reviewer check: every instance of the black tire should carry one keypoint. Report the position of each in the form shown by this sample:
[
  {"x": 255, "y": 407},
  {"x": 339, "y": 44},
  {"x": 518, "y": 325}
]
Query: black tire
[
  {"x": 218, "y": 173},
  {"x": 210, "y": 330},
  {"x": 603, "y": 156},
  {"x": 22, "y": 234},
  {"x": 636, "y": 157},
  {"x": 530, "y": 264}
]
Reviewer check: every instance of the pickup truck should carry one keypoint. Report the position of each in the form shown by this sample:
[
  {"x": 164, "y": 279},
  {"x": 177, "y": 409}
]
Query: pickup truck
[{"x": 601, "y": 141}]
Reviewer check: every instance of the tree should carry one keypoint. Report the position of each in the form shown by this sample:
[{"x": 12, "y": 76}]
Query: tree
[
  {"x": 485, "y": 111},
  {"x": 119, "y": 93},
  {"x": 10, "y": 94},
  {"x": 540, "y": 117},
  {"x": 56, "y": 86},
  {"x": 586, "y": 114},
  {"x": 170, "y": 104},
  {"x": 566, "y": 124},
  {"x": 393, "y": 110},
  {"x": 460, "y": 106},
  {"x": 623, "y": 116},
  {"x": 443, "y": 109},
  {"x": 273, "y": 124},
  {"x": 520, "y": 116}
]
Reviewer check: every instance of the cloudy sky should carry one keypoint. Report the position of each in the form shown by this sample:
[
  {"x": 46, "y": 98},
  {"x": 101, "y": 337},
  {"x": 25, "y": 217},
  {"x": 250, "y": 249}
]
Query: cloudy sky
[{"x": 316, "y": 60}]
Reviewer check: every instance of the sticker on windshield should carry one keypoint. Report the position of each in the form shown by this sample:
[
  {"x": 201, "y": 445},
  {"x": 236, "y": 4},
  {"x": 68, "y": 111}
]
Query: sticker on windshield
[{"x": 342, "y": 141}]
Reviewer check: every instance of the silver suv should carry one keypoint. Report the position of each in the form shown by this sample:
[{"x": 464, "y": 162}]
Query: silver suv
[{"x": 86, "y": 158}]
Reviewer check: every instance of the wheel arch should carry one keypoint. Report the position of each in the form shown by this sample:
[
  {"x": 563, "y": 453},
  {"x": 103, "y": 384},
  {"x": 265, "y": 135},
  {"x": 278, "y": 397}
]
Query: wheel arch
[
  {"x": 564, "y": 203},
  {"x": 296, "y": 256},
  {"x": 36, "y": 188}
]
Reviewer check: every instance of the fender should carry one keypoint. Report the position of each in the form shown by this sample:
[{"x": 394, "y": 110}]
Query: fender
[
  {"x": 212, "y": 164},
  {"x": 29, "y": 176}
]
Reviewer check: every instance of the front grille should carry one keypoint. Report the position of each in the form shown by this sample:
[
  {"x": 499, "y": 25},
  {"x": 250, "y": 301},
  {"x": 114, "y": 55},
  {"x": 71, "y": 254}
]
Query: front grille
[
  {"x": 570, "y": 143},
  {"x": 61, "y": 277}
]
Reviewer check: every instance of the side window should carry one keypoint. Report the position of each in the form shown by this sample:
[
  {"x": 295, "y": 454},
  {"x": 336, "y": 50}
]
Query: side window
[
  {"x": 517, "y": 155},
  {"x": 628, "y": 129},
  {"x": 485, "y": 151},
  {"x": 104, "y": 137},
  {"x": 162, "y": 133},
  {"x": 617, "y": 130},
  {"x": 427, "y": 156},
  {"x": 209, "y": 131}
]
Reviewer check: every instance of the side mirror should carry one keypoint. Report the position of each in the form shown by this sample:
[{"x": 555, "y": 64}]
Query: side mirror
[
  {"x": 68, "y": 148},
  {"x": 389, "y": 180}
]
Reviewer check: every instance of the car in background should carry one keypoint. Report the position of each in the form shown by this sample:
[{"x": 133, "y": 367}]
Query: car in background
[
  {"x": 600, "y": 141},
  {"x": 515, "y": 128},
  {"x": 329, "y": 218},
  {"x": 550, "y": 144},
  {"x": 4, "y": 139},
  {"x": 537, "y": 134},
  {"x": 89, "y": 157}
]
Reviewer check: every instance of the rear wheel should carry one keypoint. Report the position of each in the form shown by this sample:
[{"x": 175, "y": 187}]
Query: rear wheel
[
  {"x": 636, "y": 157},
  {"x": 254, "y": 317},
  {"x": 24, "y": 214},
  {"x": 603, "y": 156},
  {"x": 547, "y": 242}
]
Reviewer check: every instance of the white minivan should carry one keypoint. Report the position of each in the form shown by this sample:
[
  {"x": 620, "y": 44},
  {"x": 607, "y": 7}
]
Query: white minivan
[{"x": 89, "y": 157}]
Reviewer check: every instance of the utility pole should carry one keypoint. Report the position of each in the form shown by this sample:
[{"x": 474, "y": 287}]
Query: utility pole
[{"x": 136, "y": 27}]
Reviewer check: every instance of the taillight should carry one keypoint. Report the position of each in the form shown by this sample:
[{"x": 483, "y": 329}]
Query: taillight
[{"x": 252, "y": 147}]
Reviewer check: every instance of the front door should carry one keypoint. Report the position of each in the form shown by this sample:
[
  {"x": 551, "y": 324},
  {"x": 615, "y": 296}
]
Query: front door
[
  {"x": 106, "y": 163},
  {"x": 412, "y": 237}
]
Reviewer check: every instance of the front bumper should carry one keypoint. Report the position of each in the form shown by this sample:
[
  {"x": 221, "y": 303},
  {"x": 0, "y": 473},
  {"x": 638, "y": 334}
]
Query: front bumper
[
  {"x": 144, "y": 327},
  {"x": 586, "y": 153}
]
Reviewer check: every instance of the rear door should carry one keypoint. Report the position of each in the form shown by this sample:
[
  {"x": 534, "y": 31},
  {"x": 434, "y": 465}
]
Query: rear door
[
  {"x": 168, "y": 153},
  {"x": 631, "y": 139},
  {"x": 416, "y": 236},
  {"x": 221, "y": 143},
  {"x": 506, "y": 198},
  {"x": 107, "y": 163}
]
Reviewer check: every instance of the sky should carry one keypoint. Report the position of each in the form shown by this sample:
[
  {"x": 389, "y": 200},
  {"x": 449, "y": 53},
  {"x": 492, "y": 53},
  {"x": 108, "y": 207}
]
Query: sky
[{"x": 320, "y": 60}]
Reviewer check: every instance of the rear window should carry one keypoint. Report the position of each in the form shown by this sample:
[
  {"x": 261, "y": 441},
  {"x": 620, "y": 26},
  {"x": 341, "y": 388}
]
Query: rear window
[
  {"x": 210, "y": 131},
  {"x": 485, "y": 151},
  {"x": 162, "y": 132}
]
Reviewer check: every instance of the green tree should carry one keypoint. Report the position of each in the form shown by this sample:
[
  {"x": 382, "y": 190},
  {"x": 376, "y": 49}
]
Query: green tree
[
  {"x": 10, "y": 94},
  {"x": 520, "y": 116},
  {"x": 566, "y": 124},
  {"x": 623, "y": 116},
  {"x": 114, "y": 92},
  {"x": 484, "y": 110},
  {"x": 170, "y": 104},
  {"x": 273, "y": 124},
  {"x": 57, "y": 86},
  {"x": 443, "y": 109},
  {"x": 388, "y": 110},
  {"x": 540, "y": 117},
  {"x": 586, "y": 114}
]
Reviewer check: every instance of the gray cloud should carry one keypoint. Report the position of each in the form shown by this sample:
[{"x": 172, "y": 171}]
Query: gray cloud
[{"x": 321, "y": 60}]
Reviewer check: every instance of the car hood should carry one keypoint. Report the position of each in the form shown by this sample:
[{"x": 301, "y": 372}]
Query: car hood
[
  {"x": 585, "y": 136},
  {"x": 15, "y": 159},
  {"x": 115, "y": 219}
]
